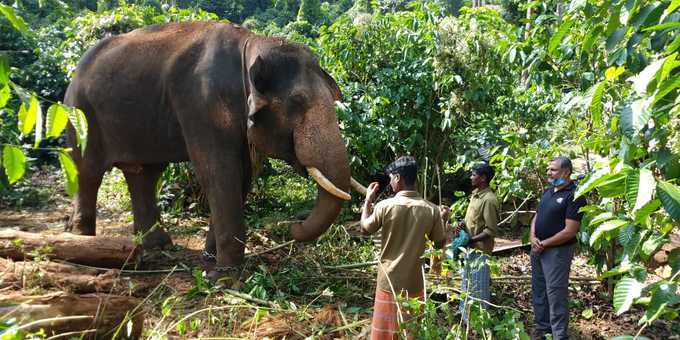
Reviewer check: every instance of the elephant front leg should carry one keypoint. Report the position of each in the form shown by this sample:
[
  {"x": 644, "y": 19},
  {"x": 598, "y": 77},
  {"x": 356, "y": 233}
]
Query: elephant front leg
[{"x": 83, "y": 221}]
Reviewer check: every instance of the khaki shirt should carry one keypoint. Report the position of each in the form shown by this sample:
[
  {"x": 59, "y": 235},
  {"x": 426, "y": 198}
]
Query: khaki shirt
[
  {"x": 483, "y": 214},
  {"x": 406, "y": 221}
]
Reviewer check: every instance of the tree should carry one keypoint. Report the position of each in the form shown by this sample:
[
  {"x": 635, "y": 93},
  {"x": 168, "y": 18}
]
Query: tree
[{"x": 310, "y": 11}]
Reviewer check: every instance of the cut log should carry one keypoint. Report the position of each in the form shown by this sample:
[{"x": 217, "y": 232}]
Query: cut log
[
  {"x": 46, "y": 274},
  {"x": 92, "y": 315},
  {"x": 100, "y": 251}
]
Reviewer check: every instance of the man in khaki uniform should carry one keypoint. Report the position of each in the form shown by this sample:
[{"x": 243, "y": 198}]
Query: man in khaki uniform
[
  {"x": 481, "y": 222},
  {"x": 407, "y": 221}
]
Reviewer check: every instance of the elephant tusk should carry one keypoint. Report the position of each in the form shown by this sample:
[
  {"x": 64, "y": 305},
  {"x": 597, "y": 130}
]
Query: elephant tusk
[
  {"x": 326, "y": 184},
  {"x": 357, "y": 186}
]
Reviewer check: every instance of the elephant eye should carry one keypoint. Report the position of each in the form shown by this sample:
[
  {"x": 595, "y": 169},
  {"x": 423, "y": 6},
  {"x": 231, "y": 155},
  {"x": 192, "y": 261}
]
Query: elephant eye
[{"x": 298, "y": 102}]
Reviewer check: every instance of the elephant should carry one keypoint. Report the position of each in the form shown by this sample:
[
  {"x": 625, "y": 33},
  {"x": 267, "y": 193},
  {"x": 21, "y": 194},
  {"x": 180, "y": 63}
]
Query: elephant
[{"x": 213, "y": 94}]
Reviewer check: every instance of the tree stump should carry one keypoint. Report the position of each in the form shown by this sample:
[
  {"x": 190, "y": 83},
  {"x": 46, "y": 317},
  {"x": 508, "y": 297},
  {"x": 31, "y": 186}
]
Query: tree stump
[
  {"x": 46, "y": 274},
  {"x": 100, "y": 251},
  {"x": 90, "y": 315}
]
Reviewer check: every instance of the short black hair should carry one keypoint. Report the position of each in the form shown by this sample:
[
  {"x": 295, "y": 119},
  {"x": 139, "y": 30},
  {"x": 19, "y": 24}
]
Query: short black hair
[
  {"x": 484, "y": 169},
  {"x": 406, "y": 167},
  {"x": 565, "y": 163}
]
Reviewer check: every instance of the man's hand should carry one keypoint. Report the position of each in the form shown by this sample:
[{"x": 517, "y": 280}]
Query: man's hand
[
  {"x": 458, "y": 227},
  {"x": 372, "y": 191},
  {"x": 536, "y": 244}
]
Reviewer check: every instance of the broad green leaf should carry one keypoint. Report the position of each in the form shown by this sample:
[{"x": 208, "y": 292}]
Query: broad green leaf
[
  {"x": 615, "y": 38},
  {"x": 669, "y": 64},
  {"x": 4, "y": 95},
  {"x": 39, "y": 125},
  {"x": 669, "y": 194},
  {"x": 596, "y": 107},
  {"x": 664, "y": 295},
  {"x": 652, "y": 244},
  {"x": 634, "y": 116},
  {"x": 672, "y": 7},
  {"x": 79, "y": 122},
  {"x": 614, "y": 21},
  {"x": 642, "y": 15},
  {"x": 640, "y": 188},
  {"x": 606, "y": 226},
  {"x": 593, "y": 180},
  {"x": 70, "y": 173},
  {"x": 613, "y": 73},
  {"x": 629, "y": 337},
  {"x": 663, "y": 26},
  {"x": 674, "y": 45},
  {"x": 641, "y": 80},
  {"x": 57, "y": 118},
  {"x": 601, "y": 218},
  {"x": 28, "y": 115},
  {"x": 14, "y": 162},
  {"x": 626, "y": 290},
  {"x": 17, "y": 22},
  {"x": 4, "y": 70},
  {"x": 666, "y": 87},
  {"x": 646, "y": 210},
  {"x": 674, "y": 261},
  {"x": 556, "y": 39},
  {"x": 614, "y": 186},
  {"x": 627, "y": 235},
  {"x": 590, "y": 38}
]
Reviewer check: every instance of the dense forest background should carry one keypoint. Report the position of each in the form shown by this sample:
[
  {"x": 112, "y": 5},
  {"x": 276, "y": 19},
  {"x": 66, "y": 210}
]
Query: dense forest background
[{"x": 510, "y": 82}]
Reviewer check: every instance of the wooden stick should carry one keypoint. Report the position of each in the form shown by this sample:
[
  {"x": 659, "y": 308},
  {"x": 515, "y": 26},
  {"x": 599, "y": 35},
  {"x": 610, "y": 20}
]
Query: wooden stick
[
  {"x": 282, "y": 245},
  {"x": 516, "y": 210}
]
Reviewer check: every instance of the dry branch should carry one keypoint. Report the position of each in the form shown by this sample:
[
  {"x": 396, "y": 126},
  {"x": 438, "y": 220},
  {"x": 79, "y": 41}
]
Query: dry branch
[
  {"x": 46, "y": 274},
  {"x": 61, "y": 313},
  {"x": 112, "y": 252}
]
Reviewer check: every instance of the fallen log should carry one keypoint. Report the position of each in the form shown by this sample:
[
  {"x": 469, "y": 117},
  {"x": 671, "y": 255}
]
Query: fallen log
[
  {"x": 90, "y": 315},
  {"x": 102, "y": 251},
  {"x": 47, "y": 274}
]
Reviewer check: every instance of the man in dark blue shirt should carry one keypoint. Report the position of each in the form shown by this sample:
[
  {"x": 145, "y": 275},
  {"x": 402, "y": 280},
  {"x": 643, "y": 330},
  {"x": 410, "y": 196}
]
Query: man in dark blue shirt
[{"x": 553, "y": 234}]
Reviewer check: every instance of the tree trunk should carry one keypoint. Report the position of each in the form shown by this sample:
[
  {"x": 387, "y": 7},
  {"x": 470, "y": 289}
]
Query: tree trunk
[
  {"x": 45, "y": 274},
  {"x": 92, "y": 315},
  {"x": 110, "y": 252}
]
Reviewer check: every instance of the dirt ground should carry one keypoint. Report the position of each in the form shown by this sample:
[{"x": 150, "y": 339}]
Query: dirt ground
[{"x": 336, "y": 319}]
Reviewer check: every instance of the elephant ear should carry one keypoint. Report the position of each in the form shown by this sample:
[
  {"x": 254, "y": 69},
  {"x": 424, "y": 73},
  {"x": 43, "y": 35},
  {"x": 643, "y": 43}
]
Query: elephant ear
[
  {"x": 256, "y": 99},
  {"x": 337, "y": 94}
]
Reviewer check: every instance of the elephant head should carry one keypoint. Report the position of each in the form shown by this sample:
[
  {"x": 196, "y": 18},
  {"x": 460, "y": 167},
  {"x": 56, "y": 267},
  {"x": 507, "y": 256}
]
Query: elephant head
[{"x": 291, "y": 116}]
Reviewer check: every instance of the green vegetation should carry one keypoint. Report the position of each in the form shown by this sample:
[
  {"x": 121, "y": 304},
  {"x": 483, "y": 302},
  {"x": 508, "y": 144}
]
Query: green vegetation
[{"x": 515, "y": 83}]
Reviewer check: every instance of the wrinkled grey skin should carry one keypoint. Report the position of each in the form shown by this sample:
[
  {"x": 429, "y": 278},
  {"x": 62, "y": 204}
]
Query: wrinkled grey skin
[{"x": 203, "y": 92}]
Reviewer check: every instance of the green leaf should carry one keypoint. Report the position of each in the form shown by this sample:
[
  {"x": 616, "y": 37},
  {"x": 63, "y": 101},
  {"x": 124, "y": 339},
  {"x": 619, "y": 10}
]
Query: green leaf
[
  {"x": 4, "y": 70},
  {"x": 626, "y": 290},
  {"x": 629, "y": 337},
  {"x": 57, "y": 118},
  {"x": 652, "y": 244},
  {"x": 615, "y": 38},
  {"x": 662, "y": 26},
  {"x": 668, "y": 65},
  {"x": 70, "y": 173},
  {"x": 627, "y": 235},
  {"x": 28, "y": 116},
  {"x": 587, "y": 313},
  {"x": 590, "y": 38},
  {"x": 614, "y": 186},
  {"x": 672, "y": 7},
  {"x": 79, "y": 122},
  {"x": 613, "y": 73},
  {"x": 605, "y": 216},
  {"x": 664, "y": 295},
  {"x": 674, "y": 261},
  {"x": 640, "y": 188},
  {"x": 592, "y": 181},
  {"x": 642, "y": 15},
  {"x": 38, "y": 125},
  {"x": 641, "y": 81},
  {"x": 556, "y": 39},
  {"x": 666, "y": 87},
  {"x": 634, "y": 116},
  {"x": 614, "y": 22},
  {"x": 596, "y": 107},
  {"x": 606, "y": 226},
  {"x": 17, "y": 22},
  {"x": 674, "y": 45},
  {"x": 4, "y": 95},
  {"x": 646, "y": 210},
  {"x": 669, "y": 194},
  {"x": 14, "y": 162}
]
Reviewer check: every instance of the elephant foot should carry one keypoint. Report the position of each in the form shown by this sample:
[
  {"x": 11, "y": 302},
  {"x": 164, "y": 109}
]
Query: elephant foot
[
  {"x": 157, "y": 238},
  {"x": 228, "y": 277}
]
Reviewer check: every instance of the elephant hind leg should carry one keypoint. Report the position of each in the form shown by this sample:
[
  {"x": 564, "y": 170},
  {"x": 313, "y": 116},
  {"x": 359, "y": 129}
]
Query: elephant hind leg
[
  {"x": 141, "y": 181},
  {"x": 84, "y": 218}
]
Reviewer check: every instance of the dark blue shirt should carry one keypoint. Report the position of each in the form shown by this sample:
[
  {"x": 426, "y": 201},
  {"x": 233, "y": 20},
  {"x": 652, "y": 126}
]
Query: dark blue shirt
[{"x": 555, "y": 208}]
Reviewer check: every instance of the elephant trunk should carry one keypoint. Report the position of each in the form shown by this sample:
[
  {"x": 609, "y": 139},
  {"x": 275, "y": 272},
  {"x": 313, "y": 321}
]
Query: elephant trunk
[{"x": 320, "y": 148}]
